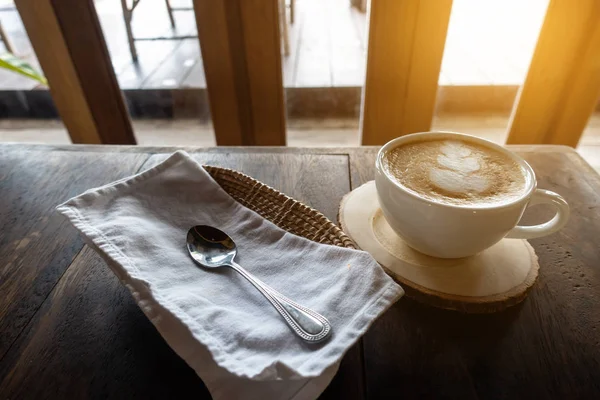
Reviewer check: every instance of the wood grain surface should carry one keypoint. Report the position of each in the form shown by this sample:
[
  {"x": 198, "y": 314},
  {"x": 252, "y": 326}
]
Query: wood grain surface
[
  {"x": 36, "y": 244},
  {"x": 90, "y": 339},
  {"x": 68, "y": 329},
  {"x": 346, "y": 151}
]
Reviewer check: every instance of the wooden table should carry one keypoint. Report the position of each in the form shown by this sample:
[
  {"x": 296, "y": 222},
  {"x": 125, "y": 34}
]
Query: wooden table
[{"x": 68, "y": 329}]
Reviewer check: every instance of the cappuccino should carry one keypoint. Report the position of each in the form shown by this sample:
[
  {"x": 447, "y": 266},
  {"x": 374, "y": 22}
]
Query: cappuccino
[{"x": 456, "y": 172}]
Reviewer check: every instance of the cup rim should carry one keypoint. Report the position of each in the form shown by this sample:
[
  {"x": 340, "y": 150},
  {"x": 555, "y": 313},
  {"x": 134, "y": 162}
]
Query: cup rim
[{"x": 530, "y": 179}]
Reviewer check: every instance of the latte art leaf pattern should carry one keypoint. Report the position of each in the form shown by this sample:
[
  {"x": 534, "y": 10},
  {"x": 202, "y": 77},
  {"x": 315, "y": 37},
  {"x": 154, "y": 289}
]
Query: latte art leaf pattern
[
  {"x": 456, "y": 172},
  {"x": 458, "y": 157}
]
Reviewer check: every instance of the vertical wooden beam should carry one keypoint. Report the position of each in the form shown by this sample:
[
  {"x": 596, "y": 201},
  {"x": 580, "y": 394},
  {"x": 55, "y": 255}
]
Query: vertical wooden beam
[
  {"x": 69, "y": 45},
  {"x": 405, "y": 49},
  {"x": 563, "y": 82},
  {"x": 240, "y": 45}
]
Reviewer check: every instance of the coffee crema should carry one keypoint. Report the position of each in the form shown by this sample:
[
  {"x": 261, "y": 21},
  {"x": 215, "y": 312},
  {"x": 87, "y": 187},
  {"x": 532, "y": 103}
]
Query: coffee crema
[{"x": 456, "y": 172}]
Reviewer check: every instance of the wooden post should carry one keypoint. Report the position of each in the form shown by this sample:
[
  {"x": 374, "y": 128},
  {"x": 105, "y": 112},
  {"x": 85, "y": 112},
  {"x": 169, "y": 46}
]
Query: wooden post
[
  {"x": 563, "y": 83},
  {"x": 240, "y": 45},
  {"x": 405, "y": 49},
  {"x": 70, "y": 47}
]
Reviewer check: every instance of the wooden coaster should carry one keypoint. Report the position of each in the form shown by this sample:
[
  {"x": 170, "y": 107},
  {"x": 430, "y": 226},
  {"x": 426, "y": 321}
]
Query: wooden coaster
[{"x": 490, "y": 281}]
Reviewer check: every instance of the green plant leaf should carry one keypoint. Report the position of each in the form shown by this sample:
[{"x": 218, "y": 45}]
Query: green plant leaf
[{"x": 11, "y": 62}]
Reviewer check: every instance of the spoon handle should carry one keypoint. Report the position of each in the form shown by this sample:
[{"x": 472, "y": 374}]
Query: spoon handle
[{"x": 306, "y": 323}]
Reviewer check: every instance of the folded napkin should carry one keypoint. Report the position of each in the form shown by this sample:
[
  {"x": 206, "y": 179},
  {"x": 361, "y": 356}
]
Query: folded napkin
[{"x": 214, "y": 319}]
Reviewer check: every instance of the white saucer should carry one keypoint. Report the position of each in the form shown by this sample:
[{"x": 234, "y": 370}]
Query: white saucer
[{"x": 490, "y": 281}]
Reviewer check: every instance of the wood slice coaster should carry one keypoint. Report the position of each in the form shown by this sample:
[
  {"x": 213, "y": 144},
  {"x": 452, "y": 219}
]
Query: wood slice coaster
[{"x": 490, "y": 281}]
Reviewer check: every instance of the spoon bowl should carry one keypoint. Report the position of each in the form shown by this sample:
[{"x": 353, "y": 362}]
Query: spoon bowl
[{"x": 210, "y": 247}]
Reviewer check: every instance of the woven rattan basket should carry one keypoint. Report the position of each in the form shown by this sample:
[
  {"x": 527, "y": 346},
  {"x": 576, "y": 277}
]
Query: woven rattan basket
[{"x": 283, "y": 211}]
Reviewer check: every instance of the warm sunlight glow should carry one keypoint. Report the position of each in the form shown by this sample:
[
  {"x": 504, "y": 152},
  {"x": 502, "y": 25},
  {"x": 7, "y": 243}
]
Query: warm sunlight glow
[{"x": 491, "y": 41}]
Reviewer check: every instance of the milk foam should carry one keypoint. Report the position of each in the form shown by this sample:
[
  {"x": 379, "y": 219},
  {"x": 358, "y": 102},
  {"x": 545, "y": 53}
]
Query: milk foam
[{"x": 456, "y": 171}]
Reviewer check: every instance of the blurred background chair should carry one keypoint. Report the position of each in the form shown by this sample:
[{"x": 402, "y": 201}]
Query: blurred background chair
[
  {"x": 5, "y": 40},
  {"x": 128, "y": 16}
]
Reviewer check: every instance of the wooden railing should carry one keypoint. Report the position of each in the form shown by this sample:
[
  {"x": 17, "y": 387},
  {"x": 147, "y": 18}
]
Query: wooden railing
[{"x": 241, "y": 52}]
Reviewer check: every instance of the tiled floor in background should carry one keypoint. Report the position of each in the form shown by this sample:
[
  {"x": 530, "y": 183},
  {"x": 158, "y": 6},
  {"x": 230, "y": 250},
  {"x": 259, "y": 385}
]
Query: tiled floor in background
[
  {"x": 332, "y": 133},
  {"x": 489, "y": 43}
]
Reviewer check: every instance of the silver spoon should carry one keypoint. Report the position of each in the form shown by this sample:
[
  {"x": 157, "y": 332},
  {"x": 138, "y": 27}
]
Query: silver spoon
[{"x": 213, "y": 248}]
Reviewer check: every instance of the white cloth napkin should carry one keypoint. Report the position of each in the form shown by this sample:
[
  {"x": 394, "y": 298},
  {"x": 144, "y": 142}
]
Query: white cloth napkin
[{"x": 215, "y": 320}]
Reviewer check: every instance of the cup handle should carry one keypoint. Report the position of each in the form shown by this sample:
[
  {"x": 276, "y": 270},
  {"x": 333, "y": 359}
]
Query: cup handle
[{"x": 560, "y": 218}]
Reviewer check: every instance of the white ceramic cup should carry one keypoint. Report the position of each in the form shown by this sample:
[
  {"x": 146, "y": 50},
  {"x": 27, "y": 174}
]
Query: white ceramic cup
[{"x": 452, "y": 231}]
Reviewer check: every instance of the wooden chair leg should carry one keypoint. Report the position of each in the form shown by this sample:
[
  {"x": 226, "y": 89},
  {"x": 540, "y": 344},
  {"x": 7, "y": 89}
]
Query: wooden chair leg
[
  {"x": 170, "y": 11},
  {"x": 284, "y": 28},
  {"x": 127, "y": 16},
  {"x": 292, "y": 11},
  {"x": 5, "y": 40}
]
